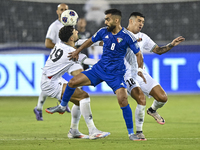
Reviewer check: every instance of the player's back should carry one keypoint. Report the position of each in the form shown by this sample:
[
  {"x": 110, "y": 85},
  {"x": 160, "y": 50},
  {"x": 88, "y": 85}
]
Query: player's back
[{"x": 58, "y": 60}]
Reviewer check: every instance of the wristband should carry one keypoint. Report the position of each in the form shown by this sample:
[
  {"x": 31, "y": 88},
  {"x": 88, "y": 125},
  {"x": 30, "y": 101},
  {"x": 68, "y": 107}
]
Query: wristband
[{"x": 140, "y": 69}]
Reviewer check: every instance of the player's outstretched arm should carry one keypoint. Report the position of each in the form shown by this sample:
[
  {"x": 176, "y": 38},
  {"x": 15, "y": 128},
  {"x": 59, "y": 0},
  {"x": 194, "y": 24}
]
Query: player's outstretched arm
[
  {"x": 166, "y": 48},
  {"x": 74, "y": 55}
]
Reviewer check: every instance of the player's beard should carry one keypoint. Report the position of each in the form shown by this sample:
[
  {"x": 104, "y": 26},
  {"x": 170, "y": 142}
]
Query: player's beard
[
  {"x": 76, "y": 40},
  {"x": 111, "y": 28}
]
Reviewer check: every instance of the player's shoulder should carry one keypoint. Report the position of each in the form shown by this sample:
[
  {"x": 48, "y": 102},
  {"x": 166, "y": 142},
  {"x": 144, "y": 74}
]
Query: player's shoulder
[
  {"x": 128, "y": 34},
  {"x": 142, "y": 36},
  {"x": 65, "y": 47},
  {"x": 55, "y": 24},
  {"x": 103, "y": 29}
]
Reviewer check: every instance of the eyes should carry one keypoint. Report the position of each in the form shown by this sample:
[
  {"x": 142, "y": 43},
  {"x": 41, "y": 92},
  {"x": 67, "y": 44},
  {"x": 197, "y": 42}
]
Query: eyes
[
  {"x": 141, "y": 21},
  {"x": 62, "y": 9}
]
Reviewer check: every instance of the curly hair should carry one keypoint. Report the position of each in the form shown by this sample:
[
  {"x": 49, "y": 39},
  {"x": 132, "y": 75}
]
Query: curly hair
[{"x": 65, "y": 33}]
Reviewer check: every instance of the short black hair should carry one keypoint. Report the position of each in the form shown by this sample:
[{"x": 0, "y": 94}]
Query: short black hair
[
  {"x": 113, "y": 12},
  {"x": 136, "y": 14},
  {"x": 65, "y": 33}
]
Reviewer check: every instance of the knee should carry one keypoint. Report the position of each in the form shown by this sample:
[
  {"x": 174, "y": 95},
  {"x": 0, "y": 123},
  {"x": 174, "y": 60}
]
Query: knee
[
  {"x": 72, "y": 83},
  {"x": 139, "y": 96},
  {"x": 84, "y": 95},
  {"x": 162, "y": 98},
  {"x": 141, "y": 100}
]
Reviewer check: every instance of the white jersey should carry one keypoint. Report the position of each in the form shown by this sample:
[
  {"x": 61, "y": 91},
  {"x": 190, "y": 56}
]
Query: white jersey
[
  {"x": 56, "y": 65},
  {"x": 145, "y": 43},
  {"x": 131, "y": 78},
  {"x": 58, "y": 61},
  {"x": 53, "y": 31}
]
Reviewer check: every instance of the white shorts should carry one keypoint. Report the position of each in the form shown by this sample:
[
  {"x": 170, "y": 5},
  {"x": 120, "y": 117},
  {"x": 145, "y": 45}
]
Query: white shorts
[
  {"x": 52, "y": 87},
  {"x": 130, "y": 80},
  {"x": 146, "y": 87}
]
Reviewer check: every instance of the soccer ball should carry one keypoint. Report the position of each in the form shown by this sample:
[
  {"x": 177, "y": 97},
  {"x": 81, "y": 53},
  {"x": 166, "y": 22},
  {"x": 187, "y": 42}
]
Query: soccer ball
[{"x": 69, "y": 18}]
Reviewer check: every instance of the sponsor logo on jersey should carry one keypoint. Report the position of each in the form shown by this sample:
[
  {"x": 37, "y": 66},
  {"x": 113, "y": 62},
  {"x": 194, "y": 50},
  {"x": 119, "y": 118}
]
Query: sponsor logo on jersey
[{"x": 119, "y": 40}]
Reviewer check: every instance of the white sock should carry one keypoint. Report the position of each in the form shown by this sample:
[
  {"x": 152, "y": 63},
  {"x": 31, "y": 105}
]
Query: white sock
[
  {"x": 41, "y": 100},
  {"x": 76, "y": 115},
  {"x": 139, "y": 117},
  {"x": 87, "y": 113},
  {"x": 157, "y": 105}
]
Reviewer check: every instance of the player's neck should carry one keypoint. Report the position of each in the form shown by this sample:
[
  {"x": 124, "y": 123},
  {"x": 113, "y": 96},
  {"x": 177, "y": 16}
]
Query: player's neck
[
  {"x": 128, "y": 28},
  {"x": 70, "y": 43},
  {"x": 117, "y": 29}
]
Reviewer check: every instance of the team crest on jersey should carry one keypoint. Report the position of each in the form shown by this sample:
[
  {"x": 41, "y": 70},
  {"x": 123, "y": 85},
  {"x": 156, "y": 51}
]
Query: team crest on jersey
[
  {"x": 140, "y": 39},
  {"x": 119, "y": 40}
]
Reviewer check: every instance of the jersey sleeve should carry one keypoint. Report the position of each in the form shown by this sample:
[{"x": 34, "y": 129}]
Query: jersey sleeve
[
  {"x": 51, "y": 34},
  {"x": 81, "y": 58},
  {"x": 133, "y": 44},
  {"x": 149, "y": 44},
  {"x": 97, "y": 36}
]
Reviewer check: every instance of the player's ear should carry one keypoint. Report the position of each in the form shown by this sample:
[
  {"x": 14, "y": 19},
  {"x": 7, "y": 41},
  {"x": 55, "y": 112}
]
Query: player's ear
[{"x": 116, "y": 20}]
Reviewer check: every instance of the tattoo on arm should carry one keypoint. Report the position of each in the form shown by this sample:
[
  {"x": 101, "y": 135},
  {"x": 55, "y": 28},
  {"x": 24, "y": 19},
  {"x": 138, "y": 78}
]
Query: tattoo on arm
[{"x": 163, "y": 49}]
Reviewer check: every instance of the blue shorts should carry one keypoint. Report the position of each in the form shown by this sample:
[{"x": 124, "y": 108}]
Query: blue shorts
[{"x": 97, "y": 75}]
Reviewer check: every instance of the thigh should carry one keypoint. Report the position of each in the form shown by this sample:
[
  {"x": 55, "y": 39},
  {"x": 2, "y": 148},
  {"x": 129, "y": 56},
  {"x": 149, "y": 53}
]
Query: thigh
[
  {"x": 79, "y": 80},
  {"x": 147, "y": 87},
  {"x": 158, "y": 93},
  {"x": 94, "y": 77}
]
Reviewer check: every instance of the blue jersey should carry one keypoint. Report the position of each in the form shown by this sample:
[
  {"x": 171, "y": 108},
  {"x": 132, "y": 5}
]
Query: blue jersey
[{"x": 114, "y": 49}]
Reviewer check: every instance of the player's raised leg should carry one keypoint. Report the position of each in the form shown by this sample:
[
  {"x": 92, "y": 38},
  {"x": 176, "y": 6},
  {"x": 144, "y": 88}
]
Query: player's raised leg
[{"x": 160, "y": 100}]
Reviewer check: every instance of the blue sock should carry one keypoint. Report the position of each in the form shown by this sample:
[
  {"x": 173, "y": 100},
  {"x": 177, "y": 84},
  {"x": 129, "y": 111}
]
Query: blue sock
[
  {"x": 127, "y": 114},
  {"x": 67, "y": 95}
]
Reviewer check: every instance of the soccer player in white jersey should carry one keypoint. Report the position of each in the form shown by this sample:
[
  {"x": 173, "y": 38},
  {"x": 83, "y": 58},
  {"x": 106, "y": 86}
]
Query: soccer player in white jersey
[
  {"x": 110, "y": 68},
  {"x": 152, "y": 87},
  {"x": 53, "y": 84},
  {"x": 52, "y": 38},
  {"x": 52, "y": 34}
]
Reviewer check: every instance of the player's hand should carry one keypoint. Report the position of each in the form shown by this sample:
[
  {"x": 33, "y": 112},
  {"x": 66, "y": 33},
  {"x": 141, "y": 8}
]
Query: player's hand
[
  {"x": 177, "y": 40},
  {"x": 142, "y": 76},
  {"x": 73, "y": 56}
]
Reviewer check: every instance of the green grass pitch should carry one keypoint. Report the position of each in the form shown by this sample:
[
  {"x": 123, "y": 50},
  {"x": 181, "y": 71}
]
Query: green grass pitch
[{"x": 19, "y": 129}]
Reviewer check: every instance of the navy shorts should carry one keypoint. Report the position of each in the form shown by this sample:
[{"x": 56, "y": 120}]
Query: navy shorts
[{"x": 97, "y": 75}]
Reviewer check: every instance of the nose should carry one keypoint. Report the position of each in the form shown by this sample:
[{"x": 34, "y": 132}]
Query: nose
[{"x": 105, "y": 22}]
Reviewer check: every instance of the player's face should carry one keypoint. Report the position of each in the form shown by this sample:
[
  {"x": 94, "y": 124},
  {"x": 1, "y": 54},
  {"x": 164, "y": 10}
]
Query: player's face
[
  {"x": 137, "y": 24},
  {"x": 81, "y": 23},
  {"x": 61, "y": 8},
  {"x": 109, "y": 22}
]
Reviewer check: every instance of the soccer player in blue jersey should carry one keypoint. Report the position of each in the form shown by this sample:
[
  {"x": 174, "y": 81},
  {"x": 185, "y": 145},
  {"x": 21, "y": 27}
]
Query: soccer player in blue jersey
[{"x": 110, "y": 68}]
